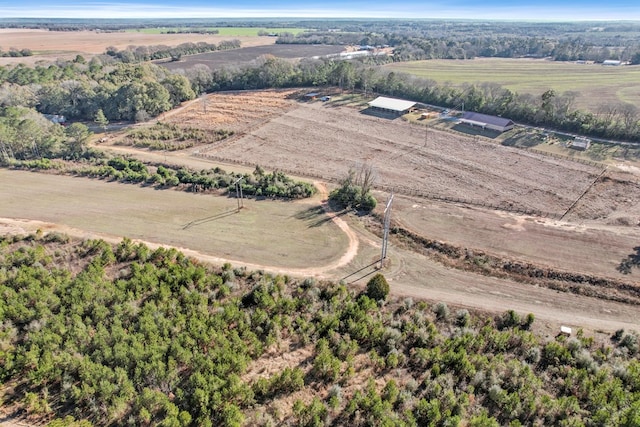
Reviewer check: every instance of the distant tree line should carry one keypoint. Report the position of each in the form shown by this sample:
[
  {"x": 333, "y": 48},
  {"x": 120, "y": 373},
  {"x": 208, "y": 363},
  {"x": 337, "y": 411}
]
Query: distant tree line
[
  {"x": 16, "y": 53},
  {"x": 409, "y": 47},
  {"x": 150, "y": 53}
]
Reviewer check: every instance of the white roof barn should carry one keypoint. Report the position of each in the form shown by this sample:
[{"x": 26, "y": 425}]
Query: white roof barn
[
  {"x": 486, "y": 121},
  {"x": 398, "y": 106}
]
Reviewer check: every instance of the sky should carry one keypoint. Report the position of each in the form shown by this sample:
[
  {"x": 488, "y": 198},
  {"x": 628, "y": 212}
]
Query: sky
[{"x": 529, "y": 10}]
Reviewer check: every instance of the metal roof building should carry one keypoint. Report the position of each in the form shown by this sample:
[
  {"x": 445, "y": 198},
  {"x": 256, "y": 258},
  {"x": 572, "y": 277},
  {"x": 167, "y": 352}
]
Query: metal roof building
[
  {"x": 486, "y": 121},
  {"x": 398, "y": 106}
]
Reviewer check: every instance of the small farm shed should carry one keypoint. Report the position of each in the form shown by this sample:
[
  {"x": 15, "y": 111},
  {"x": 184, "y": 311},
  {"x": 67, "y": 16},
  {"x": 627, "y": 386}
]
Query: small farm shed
[
  {"x": 580, "y": 143},
  {"x": 486, "y": 121},
  {"x": 391, "y": 105},
  {"x": 311, "y": 95}
]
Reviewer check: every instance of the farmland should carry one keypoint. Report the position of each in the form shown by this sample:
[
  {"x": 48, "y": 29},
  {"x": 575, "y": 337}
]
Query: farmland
[
  {"x": 246, "y": 55},
  {"x": 222, "y": 31},
  {"x": 276, "y": 129},
  {"x": 49, "y": 46},
  {"x": 475, "y": 224},
  {"x": 590, "y": 81}
]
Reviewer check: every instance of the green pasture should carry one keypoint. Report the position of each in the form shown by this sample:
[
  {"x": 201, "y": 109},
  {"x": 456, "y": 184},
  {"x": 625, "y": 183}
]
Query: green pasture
[
  {"x": 223, "y": 31},
  {"x": 594, "y": 84}
]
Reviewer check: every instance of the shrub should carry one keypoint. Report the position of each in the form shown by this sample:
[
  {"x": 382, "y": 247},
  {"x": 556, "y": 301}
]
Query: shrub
[
  {"x": 441, "y": 310},
  {"x": 462, "y": 318},
  {"x": 378, "y": 288}
]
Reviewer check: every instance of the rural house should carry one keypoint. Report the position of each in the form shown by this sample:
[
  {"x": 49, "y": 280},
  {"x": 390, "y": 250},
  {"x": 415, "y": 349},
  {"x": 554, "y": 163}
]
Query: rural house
[
  {"x": 391, "y": 105},
  {"x": 486, "y": 121}
]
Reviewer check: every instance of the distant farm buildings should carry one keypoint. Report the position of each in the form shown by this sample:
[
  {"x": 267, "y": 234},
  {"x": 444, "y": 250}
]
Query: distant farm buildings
[
  {"x": 612, "y": 62},
  {"x": 391, "y": 105},
  {"x": 487, "y": 122}
]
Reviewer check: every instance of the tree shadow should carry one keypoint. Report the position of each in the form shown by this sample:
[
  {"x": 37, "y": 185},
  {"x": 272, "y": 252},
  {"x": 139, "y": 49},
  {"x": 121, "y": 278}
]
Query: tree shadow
[
  {"x": 632, "y": 260},
  {"x": 316, "y": 216}
]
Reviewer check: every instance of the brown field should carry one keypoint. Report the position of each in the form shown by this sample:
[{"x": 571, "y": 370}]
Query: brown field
[
  {"x": 276, "y": 130},
  {"x": 326, "y": 140},
  {"x": 51, "y": 45},
  {"x": 316, "y": 138},
  {"x": 246, "y": 55}
]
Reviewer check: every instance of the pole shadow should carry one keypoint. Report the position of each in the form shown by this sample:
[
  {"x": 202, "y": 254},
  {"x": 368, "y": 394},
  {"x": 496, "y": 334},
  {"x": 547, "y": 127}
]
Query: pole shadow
[
  {"x": 358, "y": 271},
  {"x": 201, "y": 221}
]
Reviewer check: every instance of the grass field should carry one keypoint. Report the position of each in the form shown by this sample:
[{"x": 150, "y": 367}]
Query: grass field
[
  {"x": 595, "y": 84},
  {"x": 223, "y": 31},
  {"x": 282, "y": 234}
]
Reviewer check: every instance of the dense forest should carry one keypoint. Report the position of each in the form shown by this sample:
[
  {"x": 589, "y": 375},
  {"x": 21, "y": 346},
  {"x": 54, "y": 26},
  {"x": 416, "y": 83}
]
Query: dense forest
[{"x": 100, "y": 334}]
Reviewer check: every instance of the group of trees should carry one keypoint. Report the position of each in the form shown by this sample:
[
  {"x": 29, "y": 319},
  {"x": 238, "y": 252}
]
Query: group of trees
[
  {"x": 150, "y": 53},
  {"x": 16, "y": 53},
  {"x": 134, "y": 336},
  {"x": 414, "y": 40},
  {"x": 26, "y": 134},
  {"x": 354, "y": 191},
  {"x": 275, "y": 184},
  {"x": 78, "y": 89}
]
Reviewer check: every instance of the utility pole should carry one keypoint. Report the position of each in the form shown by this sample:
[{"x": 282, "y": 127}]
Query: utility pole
[{"x": 385, "y": 233}]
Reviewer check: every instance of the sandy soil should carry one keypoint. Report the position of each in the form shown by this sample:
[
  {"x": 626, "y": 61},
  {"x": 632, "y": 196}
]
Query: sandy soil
[{"x": 50, "y": 45}]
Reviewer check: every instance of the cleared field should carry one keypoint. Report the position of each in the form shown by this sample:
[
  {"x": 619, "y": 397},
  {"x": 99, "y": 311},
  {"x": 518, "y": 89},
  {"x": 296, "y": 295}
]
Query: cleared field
[
  {"x": 595, "y": 84},
  {"x": 277, "y": 131},
  {"x": 323, "y": 140},
  {"x": 244, "y": 56},
  {"x": 223, "y": 31},
  {"x": 295, "y": 235},
  {"x": 599, "y": 231},
  {"x": 50, "y": 45}
]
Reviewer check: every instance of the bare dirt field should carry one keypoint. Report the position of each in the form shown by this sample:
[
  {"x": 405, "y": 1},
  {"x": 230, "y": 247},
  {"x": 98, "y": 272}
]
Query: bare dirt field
[
  {"x": 51, "y": 45},
  {"x": 600, "y": 204},
  {"x": 246, "y": 55},
  {"x": 324, "y": 139}
]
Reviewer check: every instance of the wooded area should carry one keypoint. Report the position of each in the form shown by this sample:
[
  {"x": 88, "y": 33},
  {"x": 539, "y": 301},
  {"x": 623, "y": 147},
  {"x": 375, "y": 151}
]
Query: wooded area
[{"x": 144, "y": 337}]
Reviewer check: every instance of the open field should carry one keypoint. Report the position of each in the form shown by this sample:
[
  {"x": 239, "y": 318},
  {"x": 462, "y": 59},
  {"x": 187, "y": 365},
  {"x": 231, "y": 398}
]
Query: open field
[
  {"x": 320, "y": 139},
  {"x": 222, "y": 31},
  {"x": 94, "y": 209},
  {"x": 50, "y": 45},
  {"x": 239, "y": 57},
  {"x": 326, "y": 140},
  {"x": 293, "y": 234},
  {"x": 535, "y": 76}
]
